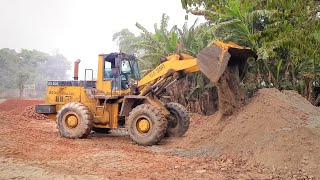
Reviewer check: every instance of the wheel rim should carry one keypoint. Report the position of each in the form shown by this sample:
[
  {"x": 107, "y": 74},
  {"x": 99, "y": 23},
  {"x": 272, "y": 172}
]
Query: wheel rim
[
  {"x": 143, "y": 125},
  {"x": 71, "y": 120}
]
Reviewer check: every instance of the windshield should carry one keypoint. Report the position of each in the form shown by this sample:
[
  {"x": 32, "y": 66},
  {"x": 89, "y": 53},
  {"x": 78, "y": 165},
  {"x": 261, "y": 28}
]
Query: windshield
[
  {"x": 134, "y": 65},
  {"x": 130, "y": 68},
  {"x": 126, "y": 67}
]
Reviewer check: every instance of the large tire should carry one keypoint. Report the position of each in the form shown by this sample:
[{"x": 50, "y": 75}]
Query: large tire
[
  {"x": 74, "y": 121},
  {"x": 153, "y": 132},
  {"x": 178, "y": 121}
]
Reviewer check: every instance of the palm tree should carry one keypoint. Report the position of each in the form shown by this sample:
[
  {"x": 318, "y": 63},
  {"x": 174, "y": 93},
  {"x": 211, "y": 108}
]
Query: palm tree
[{"x": 154, "y": 45}]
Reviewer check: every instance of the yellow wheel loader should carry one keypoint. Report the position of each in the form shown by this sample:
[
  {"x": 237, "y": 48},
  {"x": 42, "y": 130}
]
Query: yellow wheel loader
[{"x": 121, "y": 98}]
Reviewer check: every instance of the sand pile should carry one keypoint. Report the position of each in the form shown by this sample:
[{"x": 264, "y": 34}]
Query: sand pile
[{"x": 277, "y": 129}]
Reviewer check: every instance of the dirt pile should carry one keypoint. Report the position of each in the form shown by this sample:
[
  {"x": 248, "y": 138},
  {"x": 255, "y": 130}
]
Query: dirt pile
[
  {"x": 30, "y": 112},
  {"x": 23, "y": 107},
  {"x": 16, "y": 106},
  {"x": 277, "y": 129}
]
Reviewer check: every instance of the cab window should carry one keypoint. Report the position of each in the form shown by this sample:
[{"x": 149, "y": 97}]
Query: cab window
[
  {"x": 125, "y": 74},
  {"x": 110, "y": 71}
]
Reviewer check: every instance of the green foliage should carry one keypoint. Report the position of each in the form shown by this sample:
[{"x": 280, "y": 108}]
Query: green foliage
[
  {"x": 285, "y": 34},
  {"x": 154, "y": 45},
  {"x": 150, "y": 46},
  {"x": 163, "y": 41},
  {"x": 8, "y": 63},
  {"x": 30, "y": 67},
  {"x": 125, "y": 40}
]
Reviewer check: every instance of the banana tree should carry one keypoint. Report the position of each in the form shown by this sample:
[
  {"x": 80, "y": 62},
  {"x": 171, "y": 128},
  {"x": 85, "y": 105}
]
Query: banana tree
[{"x": 280, "y": 31}]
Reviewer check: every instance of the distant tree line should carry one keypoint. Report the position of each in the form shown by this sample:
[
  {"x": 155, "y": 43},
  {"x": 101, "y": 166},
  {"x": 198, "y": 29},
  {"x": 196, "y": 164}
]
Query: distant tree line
[{"x": 30, "y": 67}]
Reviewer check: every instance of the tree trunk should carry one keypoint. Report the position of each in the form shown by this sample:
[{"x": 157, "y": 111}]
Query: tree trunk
[
  {"x": 307, "y": 88},
  {"x": 310, "y": 90},
  {"x": 294, "y": 79},
  {"x": 21, "y": 92}
]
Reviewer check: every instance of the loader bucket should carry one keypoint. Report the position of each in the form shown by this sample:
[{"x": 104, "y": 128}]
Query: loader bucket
[{"x": 213, "y": 60}]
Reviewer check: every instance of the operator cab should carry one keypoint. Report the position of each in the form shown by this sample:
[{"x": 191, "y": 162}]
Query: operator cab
[{"x": 120, "y": 68}]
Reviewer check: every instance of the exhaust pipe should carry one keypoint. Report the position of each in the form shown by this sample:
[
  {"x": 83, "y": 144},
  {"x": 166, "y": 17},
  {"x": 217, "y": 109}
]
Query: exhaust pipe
[{"x": 76, "y": 69}]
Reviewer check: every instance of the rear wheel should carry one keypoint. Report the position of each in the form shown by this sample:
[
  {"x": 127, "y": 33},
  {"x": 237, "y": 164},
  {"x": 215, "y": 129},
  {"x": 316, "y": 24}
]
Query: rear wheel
[
  {"x": 178, "y": 121},
  {"x": 317, "y": 101},
  {"x": 146, "y": 125},
  {"x": 74, "y": 120}
]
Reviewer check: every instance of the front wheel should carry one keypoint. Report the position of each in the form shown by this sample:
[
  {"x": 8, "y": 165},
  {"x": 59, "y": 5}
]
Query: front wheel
[
  {"x": 74, "y": 120},
  {"x": 146, "y": 125},
  {"x": 178, "y": 121}
]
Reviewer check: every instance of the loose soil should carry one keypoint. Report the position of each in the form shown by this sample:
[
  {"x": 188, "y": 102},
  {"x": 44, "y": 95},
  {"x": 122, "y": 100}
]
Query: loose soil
[
  {"x": 230, "y": 94},
  {"x": 16, "y": 106},
  {"x": 275, "y": 136},
  {"x": 278, "y": 129}
]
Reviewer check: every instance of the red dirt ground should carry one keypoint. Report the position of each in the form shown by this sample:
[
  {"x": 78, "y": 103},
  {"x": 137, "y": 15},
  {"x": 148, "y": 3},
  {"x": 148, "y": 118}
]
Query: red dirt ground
[
  {"x": 277, "y": 129},
  {"x": 33, "y": 149},
  {"x": 18, "y": 105},
  {"x": 253, "y": 144}
]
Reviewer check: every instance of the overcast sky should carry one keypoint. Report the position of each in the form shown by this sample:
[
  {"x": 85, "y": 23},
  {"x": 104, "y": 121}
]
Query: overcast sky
[{"x": 79, "y": 28}]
